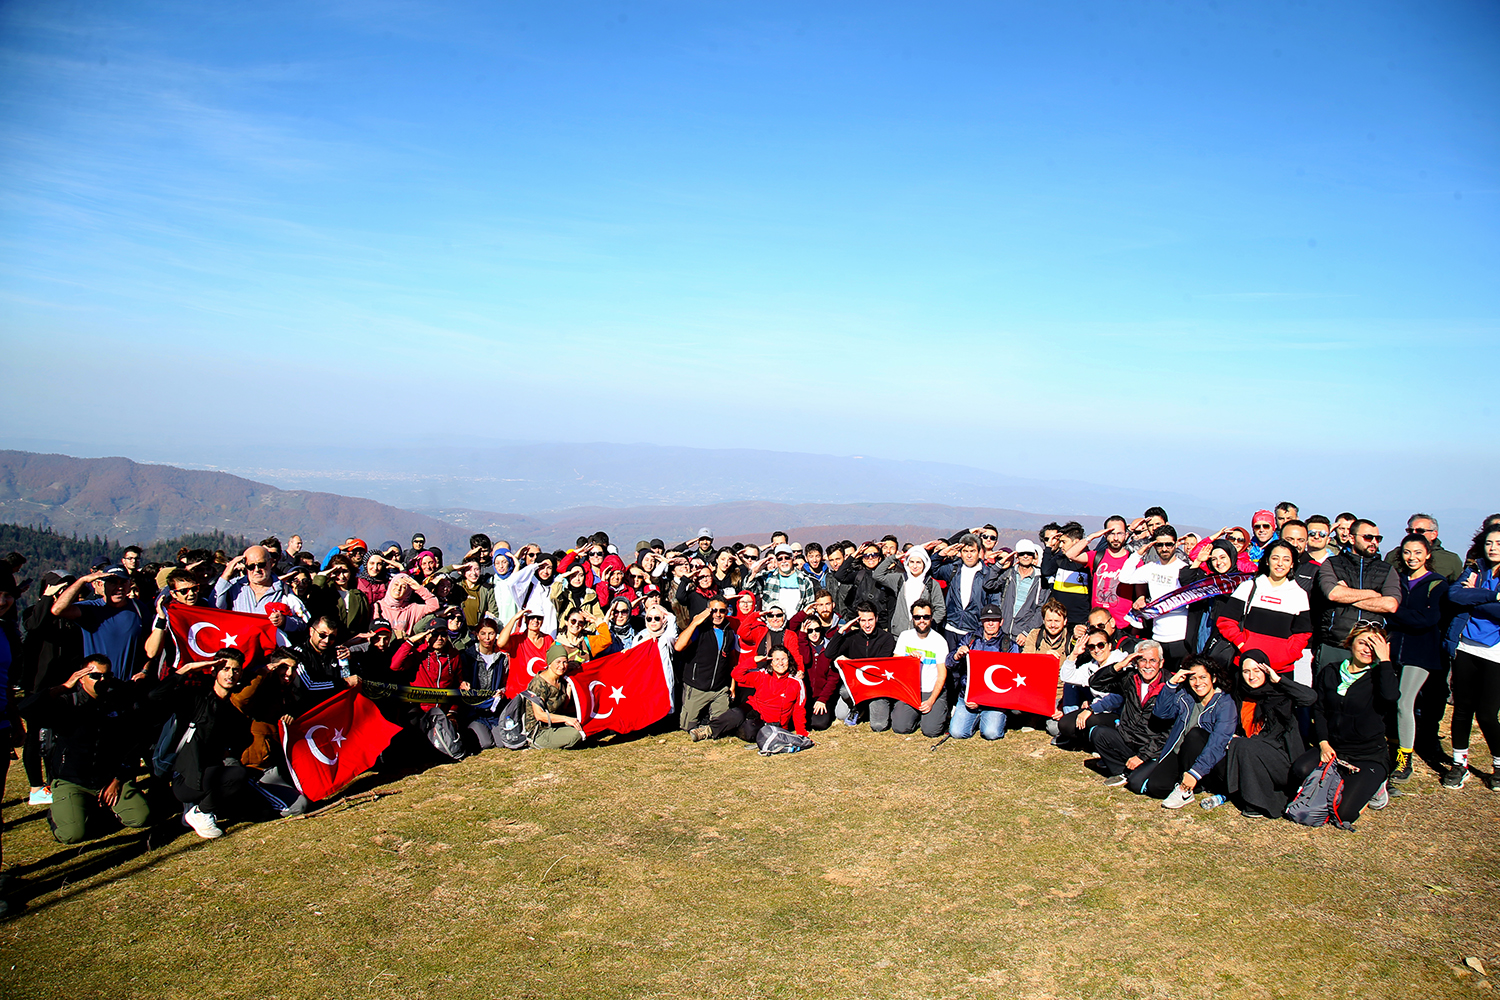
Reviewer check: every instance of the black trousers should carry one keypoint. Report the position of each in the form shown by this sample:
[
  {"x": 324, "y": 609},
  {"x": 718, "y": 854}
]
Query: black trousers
[
  {"x": 741, "y": 720},
  {"x": 1359, "y": 787},
  {"x": 221, "y": 788},
  {"x": 1476, "y": 697},
  {"x": 1157, "y": 778}
]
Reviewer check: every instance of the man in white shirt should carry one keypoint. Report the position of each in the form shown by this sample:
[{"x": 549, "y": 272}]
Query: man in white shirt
[
  {"x": 1159, "y": 566},
  {"x": 932, "y": 649}
]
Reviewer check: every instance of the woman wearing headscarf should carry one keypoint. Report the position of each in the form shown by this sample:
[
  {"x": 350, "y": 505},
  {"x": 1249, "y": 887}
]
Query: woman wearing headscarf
[
  {"x": 750, "y": 627},
  {"x": 405, "y": 603},
  {"x": 502, "y": 569},
  {"x": 1203, "y": 632},
  {"x": 1267, "y": 739},
  {"x": 909, "y": 577},
  {"x": 612, "y": 583}
]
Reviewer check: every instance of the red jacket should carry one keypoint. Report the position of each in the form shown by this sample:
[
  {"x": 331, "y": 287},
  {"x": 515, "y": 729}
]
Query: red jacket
[
  {"x": 779, "y": 700},
  {"x": 436, "y": 670}
]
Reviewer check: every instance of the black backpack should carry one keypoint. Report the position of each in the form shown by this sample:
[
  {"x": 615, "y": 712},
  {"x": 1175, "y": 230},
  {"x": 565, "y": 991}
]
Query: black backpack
[{"x": 512, "y": 725}]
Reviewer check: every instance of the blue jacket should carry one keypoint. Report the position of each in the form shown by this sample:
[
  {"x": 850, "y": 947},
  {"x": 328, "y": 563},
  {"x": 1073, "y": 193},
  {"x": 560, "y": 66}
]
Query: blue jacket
[
  {"x": 964, "y": 618},
  {"x": 1480, "y": 607},
  {"x": 1218, "y": 720}
]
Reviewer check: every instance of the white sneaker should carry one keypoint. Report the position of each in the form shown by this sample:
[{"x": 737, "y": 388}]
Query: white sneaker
[
  {"x": 1381, "y": 798},
  {"x": 1177, "y": 798},
  {"x": 202, "y": 823}
]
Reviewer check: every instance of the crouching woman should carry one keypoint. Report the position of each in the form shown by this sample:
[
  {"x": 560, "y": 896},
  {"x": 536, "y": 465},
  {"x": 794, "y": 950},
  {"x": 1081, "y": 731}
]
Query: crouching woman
[
  {"x": 548, "y": 726},
  {"x": 1203, "y": 721},
  {"x": 1259, "y": 762},
  {"x": 776, "y": 698},
  {"x": 1355, "y": 698}
]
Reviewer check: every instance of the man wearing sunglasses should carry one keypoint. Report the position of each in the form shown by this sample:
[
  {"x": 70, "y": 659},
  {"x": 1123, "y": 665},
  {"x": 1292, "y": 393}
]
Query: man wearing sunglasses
[
  {"x": 1356, "y": 586},
  {"x": 94, "y": 751},
  {"x": 782, "y": 584},
  {"x": 1444, "y": 563},
  {"x": 1159, "y": 568},
  {"x": 1263, "y": 532},
  {"x": 932, "y": 648},
  {"x": 706, "y": 653},
  {"x": 258, "y": 588}
]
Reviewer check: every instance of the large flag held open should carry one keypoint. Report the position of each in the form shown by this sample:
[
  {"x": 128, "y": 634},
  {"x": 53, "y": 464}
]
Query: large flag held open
[
  {"x": 335, "y": 742},
  {"x": 1025, "y": 682},
  {"x": 201, "y": 632},
  {"x": 898, "y": 677},
  {"x": 525, "y": 663},
  {"x": 624, "y": 691}
]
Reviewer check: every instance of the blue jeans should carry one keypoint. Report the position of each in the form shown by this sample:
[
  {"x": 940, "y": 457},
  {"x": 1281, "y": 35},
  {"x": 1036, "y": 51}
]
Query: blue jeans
[
  {"x": 1074, "y": 695},
  {"x": 989, "y": 721}
]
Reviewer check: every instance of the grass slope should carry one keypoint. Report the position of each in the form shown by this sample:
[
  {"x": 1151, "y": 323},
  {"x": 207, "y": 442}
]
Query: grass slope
[{"x": 868, "y": 866}]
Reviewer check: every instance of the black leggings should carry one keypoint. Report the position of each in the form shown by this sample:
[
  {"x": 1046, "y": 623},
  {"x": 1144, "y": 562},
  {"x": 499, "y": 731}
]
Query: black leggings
[
  {"x": 31, "y": 756},
  {"x": 1476, "y": 693},
  {"x": 1359, "y": 787},
  {"x": 1157, "y": 778}
]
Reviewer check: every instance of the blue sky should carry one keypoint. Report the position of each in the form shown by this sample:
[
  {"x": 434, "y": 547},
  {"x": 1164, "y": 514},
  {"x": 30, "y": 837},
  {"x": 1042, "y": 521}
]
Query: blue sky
[{"x": 1234, "y": 249}]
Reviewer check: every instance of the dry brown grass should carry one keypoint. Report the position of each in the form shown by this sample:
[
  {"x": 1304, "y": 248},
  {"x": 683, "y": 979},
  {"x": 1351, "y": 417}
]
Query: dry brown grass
[{"x": 866, "y": 867}]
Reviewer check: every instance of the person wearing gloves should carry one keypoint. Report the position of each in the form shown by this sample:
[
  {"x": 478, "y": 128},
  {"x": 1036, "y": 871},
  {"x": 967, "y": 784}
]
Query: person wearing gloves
[{"x": 908, "y": 576}]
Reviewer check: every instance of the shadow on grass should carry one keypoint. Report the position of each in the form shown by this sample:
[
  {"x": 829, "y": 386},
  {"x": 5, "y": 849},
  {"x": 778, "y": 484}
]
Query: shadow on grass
[{"x": 70, "y": 866}]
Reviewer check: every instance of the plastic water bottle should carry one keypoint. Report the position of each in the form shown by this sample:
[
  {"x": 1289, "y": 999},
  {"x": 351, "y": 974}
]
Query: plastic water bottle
[{"x": 1213, "y": 802}]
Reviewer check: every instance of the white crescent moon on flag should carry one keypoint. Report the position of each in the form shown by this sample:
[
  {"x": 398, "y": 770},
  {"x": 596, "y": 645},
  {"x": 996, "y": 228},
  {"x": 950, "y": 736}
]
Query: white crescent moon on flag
[
  {"x": 532, "y": 670},
  {"x": 989, "y": 678},
  {"x": 192, "y": 637},
  {"x": 312, "y": 745},
  {"x": 859, "y": 672},
  {"x": 596, "y": 713}
]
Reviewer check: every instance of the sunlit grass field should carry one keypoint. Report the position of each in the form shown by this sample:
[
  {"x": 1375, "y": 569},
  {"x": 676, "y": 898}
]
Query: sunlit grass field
[{"x": 868, "y": 866}]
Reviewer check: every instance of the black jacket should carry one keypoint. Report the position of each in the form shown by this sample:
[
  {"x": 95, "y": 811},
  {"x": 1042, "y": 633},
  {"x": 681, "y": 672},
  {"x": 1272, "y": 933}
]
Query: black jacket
[
  {"x": 854, "y": 643},
  {"x": 1354, "y": 722},
  {"x": 51, "y": 651},
  {"x": 220, "y": 731},
  {"x": 704, "y": 664},
  {"x": 93, "y": 739},
  {"x": 1138, "y": 724}
]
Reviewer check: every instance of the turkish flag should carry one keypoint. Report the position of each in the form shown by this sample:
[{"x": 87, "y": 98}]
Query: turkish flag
[
  {"x": 202, "y": 632},
  {"x": 526, "y": 661},
  {"x": 335, "y": 742},
  {"x": 898, "y": 677},
  {"x": 624, "y": 691},
  {"x": 1026, "y": 682}
]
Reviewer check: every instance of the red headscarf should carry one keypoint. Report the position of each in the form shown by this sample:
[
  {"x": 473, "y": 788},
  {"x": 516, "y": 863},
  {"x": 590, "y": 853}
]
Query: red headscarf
[{"x": 748, "y": 624}]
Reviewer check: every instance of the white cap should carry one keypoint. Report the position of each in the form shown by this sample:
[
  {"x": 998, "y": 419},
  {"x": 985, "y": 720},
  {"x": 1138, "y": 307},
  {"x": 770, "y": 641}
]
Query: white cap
[{"x": 1027, "y": 545}]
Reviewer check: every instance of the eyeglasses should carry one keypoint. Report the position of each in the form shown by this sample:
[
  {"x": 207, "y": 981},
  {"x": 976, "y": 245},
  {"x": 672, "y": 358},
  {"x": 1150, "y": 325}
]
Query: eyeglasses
[
  {"x": 323, "y": 635},
  {"x": 1371, "y": 538},
  {"x": 1097, "y": 645},
  {"x": 96, "y": 676},
  {"x": 256, "y": 565},
  {"x": 1166, "y": 545},
  {"x": 921, "y": 618},
  {"x": 1317, "y": 534},
  {"x": 655, "y": 618},
  {"x": 185, "y": 591},
  {"x": 1263, "y": 524},
  {"x": 783, "y": 558},
  {"x": 720, "y": 611},
  {"x": 775, "y": 614},
  {"x": 870, "y": 555},
  {"x": 989, "y": 538},
  {"x": 575, "y": 621}
]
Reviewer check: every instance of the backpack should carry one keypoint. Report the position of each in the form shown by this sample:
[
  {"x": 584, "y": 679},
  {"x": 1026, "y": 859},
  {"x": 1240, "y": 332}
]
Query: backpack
[
  {"x": 773, "y": 739},
  {"x": 1317, "y": 800},
  {"x": 512, "y": 724},
  {"x": 443, "y": 734}
]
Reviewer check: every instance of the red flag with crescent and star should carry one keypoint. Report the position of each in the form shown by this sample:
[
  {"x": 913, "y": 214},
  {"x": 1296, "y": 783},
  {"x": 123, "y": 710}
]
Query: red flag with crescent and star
[
  {"x": 1026, "y": 682},
  {"x": 201, "y": 632},
  {"x": 898, "y": 677},
  {"x": 335, "y": 742},
  {"x": 622, "y": 692},
  {"x": 526, "y": 661}
]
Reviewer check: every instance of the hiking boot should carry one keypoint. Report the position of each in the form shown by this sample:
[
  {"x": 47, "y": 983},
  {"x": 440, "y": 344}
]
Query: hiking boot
[
  {"x": 1381, "y": 798},
  {"x": 852, "y": 719},
  {"x": 1255, "y": 814},
  {"x": 1053, "y": 730},
  {"x": 1114, "y": 780},
  {"x": 40, "y": 796},
  {"x": 1177, "y": 798},
  {"x": 1456, "y": 776},
  {"x": 702, "y": 733},
  {"x": 1491, "y": 781},
  {"x": 201, "y": 823},
  {"x": 1403, "y": 766}
]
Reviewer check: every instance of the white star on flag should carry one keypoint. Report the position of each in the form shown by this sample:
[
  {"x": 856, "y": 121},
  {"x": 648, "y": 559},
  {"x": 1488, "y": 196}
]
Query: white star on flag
[
  {"x": 1020, "y": 680},
  {"x": 618, "y": 694},
  {"x": 230, "y": 640},
  {"x": 890, "y": 676},
  {"x": 339, "y": 737}
]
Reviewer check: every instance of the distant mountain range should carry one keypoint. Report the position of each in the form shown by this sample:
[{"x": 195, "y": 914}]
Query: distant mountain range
[{"x": 135, "y": 502}]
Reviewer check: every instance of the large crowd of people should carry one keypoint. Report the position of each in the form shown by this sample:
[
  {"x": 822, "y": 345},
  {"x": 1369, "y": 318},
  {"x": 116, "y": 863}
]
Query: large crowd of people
[{"x": 1319, "y": 648}]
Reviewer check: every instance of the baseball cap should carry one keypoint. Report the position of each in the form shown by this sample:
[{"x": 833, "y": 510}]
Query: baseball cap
[
  {"x": 380, "y": 625},
  {"x": 991, "y": 613},
  {"x": 351, "y": 544},
  {"x": 705, "y": 533},
  {"x": 784, "y": 549},
  {"x": 1027, "y": 545}
]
